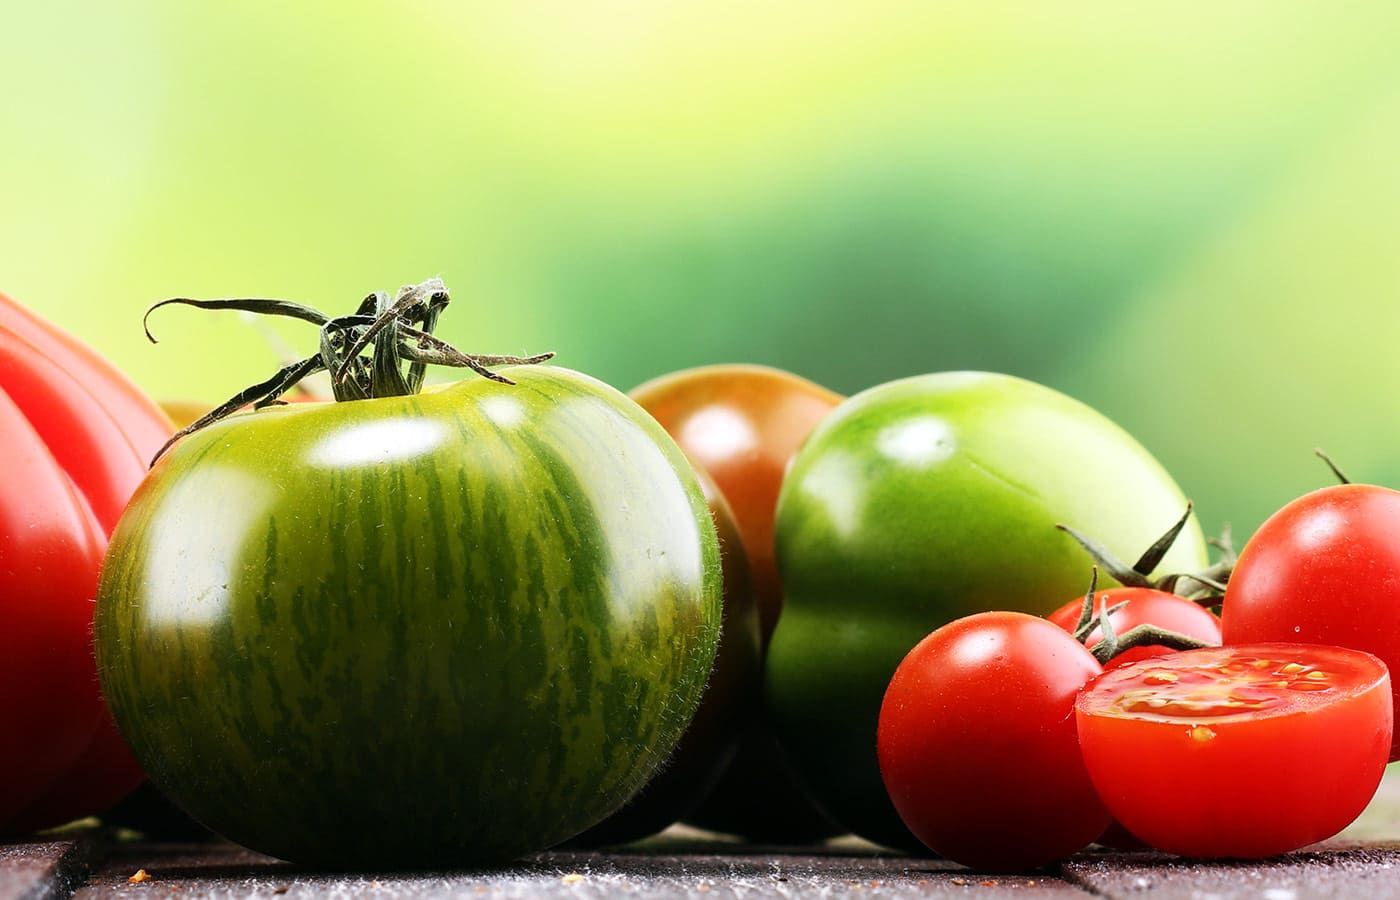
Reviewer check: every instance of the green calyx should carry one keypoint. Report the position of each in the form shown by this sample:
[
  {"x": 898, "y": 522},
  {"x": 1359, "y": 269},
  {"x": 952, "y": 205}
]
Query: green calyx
[
  {"x": 1205, "y": 587},
  {"x": 1111, "y": 643},
  {"x": 397, "y": 333}
]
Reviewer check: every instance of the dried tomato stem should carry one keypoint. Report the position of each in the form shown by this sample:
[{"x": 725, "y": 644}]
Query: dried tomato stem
[{"x": 396, "y": 333}]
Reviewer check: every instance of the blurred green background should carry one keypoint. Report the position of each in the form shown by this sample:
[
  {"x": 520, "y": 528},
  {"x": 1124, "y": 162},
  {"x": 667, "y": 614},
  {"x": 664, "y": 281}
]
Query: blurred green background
[{"x": 1186, "y": 216}]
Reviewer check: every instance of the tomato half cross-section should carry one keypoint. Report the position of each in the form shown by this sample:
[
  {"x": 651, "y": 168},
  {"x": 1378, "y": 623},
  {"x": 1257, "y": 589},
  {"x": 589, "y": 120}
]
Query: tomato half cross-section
[
  {"x": 1241, "y": 751},
  {"x": 75, "y": 438},
  {"x": 438, "y": 628}
]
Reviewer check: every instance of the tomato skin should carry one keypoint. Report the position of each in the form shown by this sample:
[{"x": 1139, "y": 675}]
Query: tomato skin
[
  {"x": 920, "y": 501},
  {"x": 742, "y": 424},
  {"x": 1231, "y": 783},
  {"x": 1324, "y": 569},
  {"x": 729, "y": 705},
  {"x": 75, "y": 436},
  {"x": 439, "y": 629},
  {"x": 1145, "y": 606},
  {"x": 977, "y": 743}
]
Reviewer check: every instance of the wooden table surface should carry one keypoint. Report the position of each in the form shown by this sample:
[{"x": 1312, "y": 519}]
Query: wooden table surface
[{"x": 1362, "y": 862}]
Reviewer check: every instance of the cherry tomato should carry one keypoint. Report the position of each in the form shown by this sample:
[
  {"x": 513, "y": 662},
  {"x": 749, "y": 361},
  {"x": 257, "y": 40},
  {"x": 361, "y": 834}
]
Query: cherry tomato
[
  {"x": 977, "y": 743},
  {"x": 1245, "y": 751},
  {"x": 1144, "y": 606},
  {"x": 1324, "y": 569}
]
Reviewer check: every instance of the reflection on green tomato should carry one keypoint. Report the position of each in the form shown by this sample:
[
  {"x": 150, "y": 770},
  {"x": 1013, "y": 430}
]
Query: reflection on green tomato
[
  {"x": 431, "y": 630},
  {"x": 918, "y": 502}
]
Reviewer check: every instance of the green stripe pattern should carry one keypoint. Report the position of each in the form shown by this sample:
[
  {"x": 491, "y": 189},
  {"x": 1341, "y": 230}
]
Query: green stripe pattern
[{"x": 444, "y": 629}]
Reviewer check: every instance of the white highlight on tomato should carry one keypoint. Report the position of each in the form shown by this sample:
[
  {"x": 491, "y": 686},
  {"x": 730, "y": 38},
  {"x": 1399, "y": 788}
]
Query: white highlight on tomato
[
  {"x": 917, "y": 442},
  {"x": 383, "y": 441}
]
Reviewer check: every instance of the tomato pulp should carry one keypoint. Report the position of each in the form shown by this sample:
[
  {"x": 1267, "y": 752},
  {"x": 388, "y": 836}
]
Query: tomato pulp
[{"x": 1238, "y": 751}]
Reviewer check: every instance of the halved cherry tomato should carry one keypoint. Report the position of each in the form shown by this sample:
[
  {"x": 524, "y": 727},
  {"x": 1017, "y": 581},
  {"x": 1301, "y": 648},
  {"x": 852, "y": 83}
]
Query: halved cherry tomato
[{"x": 1246, "y": 751}]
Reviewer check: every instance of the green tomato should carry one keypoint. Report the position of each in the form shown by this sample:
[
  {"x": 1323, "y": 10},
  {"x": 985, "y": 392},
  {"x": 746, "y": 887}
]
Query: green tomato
[
  {"x": 921, "y": 501},
  {"x": 442, "y": 629}
]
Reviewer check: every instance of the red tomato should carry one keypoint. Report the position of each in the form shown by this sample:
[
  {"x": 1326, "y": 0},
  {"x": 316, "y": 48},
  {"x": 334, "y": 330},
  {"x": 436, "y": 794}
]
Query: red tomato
[
  {"x": 1245, "y": 751},
  {"x": 1145, "y": 606},
  {"x": 75, "y": 439},
  {"x": 977, "y": 743},
  {"x": 1324, "y": 569}
]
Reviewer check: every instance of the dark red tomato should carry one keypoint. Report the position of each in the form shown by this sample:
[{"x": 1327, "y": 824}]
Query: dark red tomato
[
  {"x": 1324, "y": 569},
  {"x": 977, "y": 743},
  {"x": 1145, "y": 606},
  {"x": 1238, "y": 751},
  {"x": 742, "y": 424},
  {"x": 75, "y": 439}
]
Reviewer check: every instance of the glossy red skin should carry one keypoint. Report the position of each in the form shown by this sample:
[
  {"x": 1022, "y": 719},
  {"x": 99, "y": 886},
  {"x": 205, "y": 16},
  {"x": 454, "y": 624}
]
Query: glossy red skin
[
  {"x": 75, "y": 439},
  {"x": 1324, "y": 569},
  {"x": 742, "y": 424},
  {"x": 1146, "y": 606},
  {"x": 977, "y": 743},
  {"x": 1286, "y": 769}
]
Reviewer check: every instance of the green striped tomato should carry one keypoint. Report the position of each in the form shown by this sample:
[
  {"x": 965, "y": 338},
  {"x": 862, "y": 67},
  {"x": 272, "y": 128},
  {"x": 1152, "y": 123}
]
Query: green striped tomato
[{"x": 440, "y": 629}]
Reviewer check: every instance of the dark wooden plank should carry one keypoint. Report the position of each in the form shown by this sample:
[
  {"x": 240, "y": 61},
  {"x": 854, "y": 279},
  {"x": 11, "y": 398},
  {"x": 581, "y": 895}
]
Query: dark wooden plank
[
  {"x": 1328, "y": 871},
  {"x": 40, "y": 869},
  {"x": 705, "y": 872}
]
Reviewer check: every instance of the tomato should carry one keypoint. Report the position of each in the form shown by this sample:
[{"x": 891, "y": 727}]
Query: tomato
[
  {"x": 1239, "y": 751},
  {"x": 1324, "y": 569},
  {"x": 920, "y": 501},
  {"x": 1139, "y": 607},
  {"x": 729, "y": 704},
  {"x": 75, "y": 436},
  {"x": 742, "y": 424},
  {"x": 977, "y": 744},
  {"x": 435, "y": 629}
]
